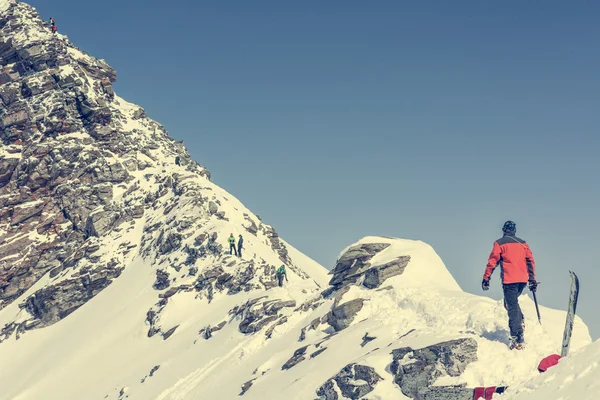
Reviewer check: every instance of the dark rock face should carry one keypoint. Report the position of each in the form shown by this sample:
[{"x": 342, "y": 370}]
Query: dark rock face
[
  {"x": 296, "y": 358},
  {"x": 354, "y": 381},
  {"x": 354, "y": 260},
  {"x": 54, "y": 303},
  {"x": 355, "y": 264},
  {"x": 207, "y": 332},
  {"x": 256, "y": 315},
  {"x": 375, "y": 276},
  {"x": 246, "y": 386},
  {"x": 342, "y": 316},
  {"x": 170, "y": 332},
  {"x": 415, "y": 370},
  {"x": 446, "y": 393},
  {"x": 162, "y": 280}
]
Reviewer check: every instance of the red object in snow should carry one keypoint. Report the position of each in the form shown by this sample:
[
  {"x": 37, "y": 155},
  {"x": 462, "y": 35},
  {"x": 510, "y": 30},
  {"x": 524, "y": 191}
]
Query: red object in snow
[
  {"x": 548, "y": 362},
  {"x": 485, "y": 393}
]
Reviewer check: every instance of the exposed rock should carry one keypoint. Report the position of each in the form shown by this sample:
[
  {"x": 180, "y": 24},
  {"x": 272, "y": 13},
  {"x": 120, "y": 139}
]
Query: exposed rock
[
  {"x": 342, "y": 316},
  {"x": 162, "y": 280},
  {"x": 65, "y": 132},
  {"x": 375, "y": 276},
  {"x": 445, "y": 393},
  {"x": 170, "y": 332},
  {"x": 170, "y": 243},
  {"x": 154, "y": 369},
  {"x": 356, "y": 265},
  {"x": 207, "y": 332},
  {"x": 246, "y": 386},
  {"x": 366, "y": 339},
  {"x": 296, "y": 358},
  {"x": 25, "y": 211},
  {"x": 256, "y": 315},
  {"x": 55, "y": 302},
  {"x": 316, "y": 353},
  {"x": 251, "y": 227},
  {"x": 355, "y": 259},
  {"x": 213, "y": 208},
  {"x": 354, "y": 381},
  {"x": 416, "y": 369}
]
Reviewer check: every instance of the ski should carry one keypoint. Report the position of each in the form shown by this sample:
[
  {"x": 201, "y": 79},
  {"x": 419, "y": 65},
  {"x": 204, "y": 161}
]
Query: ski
[{"x": 570, "y": 314}]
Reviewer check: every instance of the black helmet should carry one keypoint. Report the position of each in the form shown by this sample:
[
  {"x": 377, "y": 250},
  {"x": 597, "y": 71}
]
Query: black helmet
[{"x": 509, "y": 227}]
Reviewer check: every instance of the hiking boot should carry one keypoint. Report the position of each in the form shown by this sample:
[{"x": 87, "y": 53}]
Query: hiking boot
[{"x": 516, "y": 343}]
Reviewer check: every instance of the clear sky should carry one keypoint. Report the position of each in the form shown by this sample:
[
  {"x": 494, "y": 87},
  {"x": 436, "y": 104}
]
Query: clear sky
[{"x": 430, "y": 120}]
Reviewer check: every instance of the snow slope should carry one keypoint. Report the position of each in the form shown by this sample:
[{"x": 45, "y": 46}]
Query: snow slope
[
  {"x": 104, "y": 343},
  {"x": 576, "y": 377}
]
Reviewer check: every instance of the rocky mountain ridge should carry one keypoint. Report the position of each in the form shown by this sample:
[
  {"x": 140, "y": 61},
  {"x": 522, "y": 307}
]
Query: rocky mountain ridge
[{"x": 81, "y": 168}]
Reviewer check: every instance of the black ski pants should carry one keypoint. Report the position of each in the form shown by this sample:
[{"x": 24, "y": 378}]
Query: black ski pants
[
  {"x": 232, "y": 249},
  {"x": 512, "y": 291}
]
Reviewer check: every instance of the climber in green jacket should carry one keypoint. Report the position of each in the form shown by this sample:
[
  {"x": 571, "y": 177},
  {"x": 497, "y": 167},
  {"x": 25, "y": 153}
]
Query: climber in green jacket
[
  {"x": 232, "y": 249},
  {"x": 280, "y": 275}
]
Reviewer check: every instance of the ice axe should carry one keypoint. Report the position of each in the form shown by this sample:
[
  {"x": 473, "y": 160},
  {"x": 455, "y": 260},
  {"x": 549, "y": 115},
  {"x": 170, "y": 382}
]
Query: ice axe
[{"x": 537, "y": 308}]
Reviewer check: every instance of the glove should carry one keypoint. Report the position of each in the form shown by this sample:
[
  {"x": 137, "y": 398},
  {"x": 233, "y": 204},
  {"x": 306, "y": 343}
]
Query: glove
[
  {"x": 485, "y": 284},
  {"x": 533, "y": 286}
]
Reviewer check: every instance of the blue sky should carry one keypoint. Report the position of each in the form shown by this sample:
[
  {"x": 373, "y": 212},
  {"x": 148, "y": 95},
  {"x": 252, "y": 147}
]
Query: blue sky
[{"x": 429, "y": 120}]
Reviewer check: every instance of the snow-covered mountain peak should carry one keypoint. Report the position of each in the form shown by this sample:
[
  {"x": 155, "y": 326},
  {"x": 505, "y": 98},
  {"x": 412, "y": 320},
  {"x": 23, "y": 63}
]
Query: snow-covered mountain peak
[
  {"x": 374, "y": 257},
  {"x": 89, "y": 184},
  {"x": 117, "y": 278}
]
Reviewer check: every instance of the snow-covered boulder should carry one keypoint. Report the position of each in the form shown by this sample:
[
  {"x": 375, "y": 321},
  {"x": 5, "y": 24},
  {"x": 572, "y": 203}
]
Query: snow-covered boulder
[{"x": 373, "y": 260}]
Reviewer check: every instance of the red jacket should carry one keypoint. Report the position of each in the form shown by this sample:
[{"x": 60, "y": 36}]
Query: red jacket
[{"x": 515, "y": 260}]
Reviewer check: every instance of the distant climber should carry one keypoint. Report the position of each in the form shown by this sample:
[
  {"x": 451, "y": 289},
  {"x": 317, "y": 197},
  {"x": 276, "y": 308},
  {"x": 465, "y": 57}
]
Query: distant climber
[
  {"x": 517, "y": 269},
  {"x": 52, "y": 22},
  {"x": 280, "y": 275},
  {"x": 177, "y": 160},
  {"x": 232, "y": 249},
  {"x": 240, "y": 246}
]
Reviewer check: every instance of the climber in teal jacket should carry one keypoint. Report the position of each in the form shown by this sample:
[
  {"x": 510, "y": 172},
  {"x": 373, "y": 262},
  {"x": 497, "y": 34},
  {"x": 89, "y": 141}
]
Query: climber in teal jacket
[{"x": 281, "y": 274}]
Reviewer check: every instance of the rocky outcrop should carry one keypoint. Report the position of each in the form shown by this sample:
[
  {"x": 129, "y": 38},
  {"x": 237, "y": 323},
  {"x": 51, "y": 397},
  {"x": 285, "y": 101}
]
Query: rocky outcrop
[
  {"x": 162, "y": 280},
  {"x": 296, "y": 358},
  {"x": 54, "y": 303},
  {"x": 256, "y": 314},
  {"x": 356, "y": 265},
  {"x": 246, "y": 386},
  {"x": 415, "y": 370},
  {"x": 378, "y": 274},
  {"x": 207, "y": 332},
  {"x": 65, "y": 145},
  {"x": 88, "y": 183},
  {"x": 353, "y": 382},
  {"x": 342, "y": 316}
]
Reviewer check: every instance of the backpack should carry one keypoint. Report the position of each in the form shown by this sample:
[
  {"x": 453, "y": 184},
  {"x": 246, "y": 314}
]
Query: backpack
[{"x": 281, "y": 270}]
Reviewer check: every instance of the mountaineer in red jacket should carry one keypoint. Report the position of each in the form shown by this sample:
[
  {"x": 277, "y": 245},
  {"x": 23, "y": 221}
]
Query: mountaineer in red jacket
[{"x": 517, "y": 267}]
